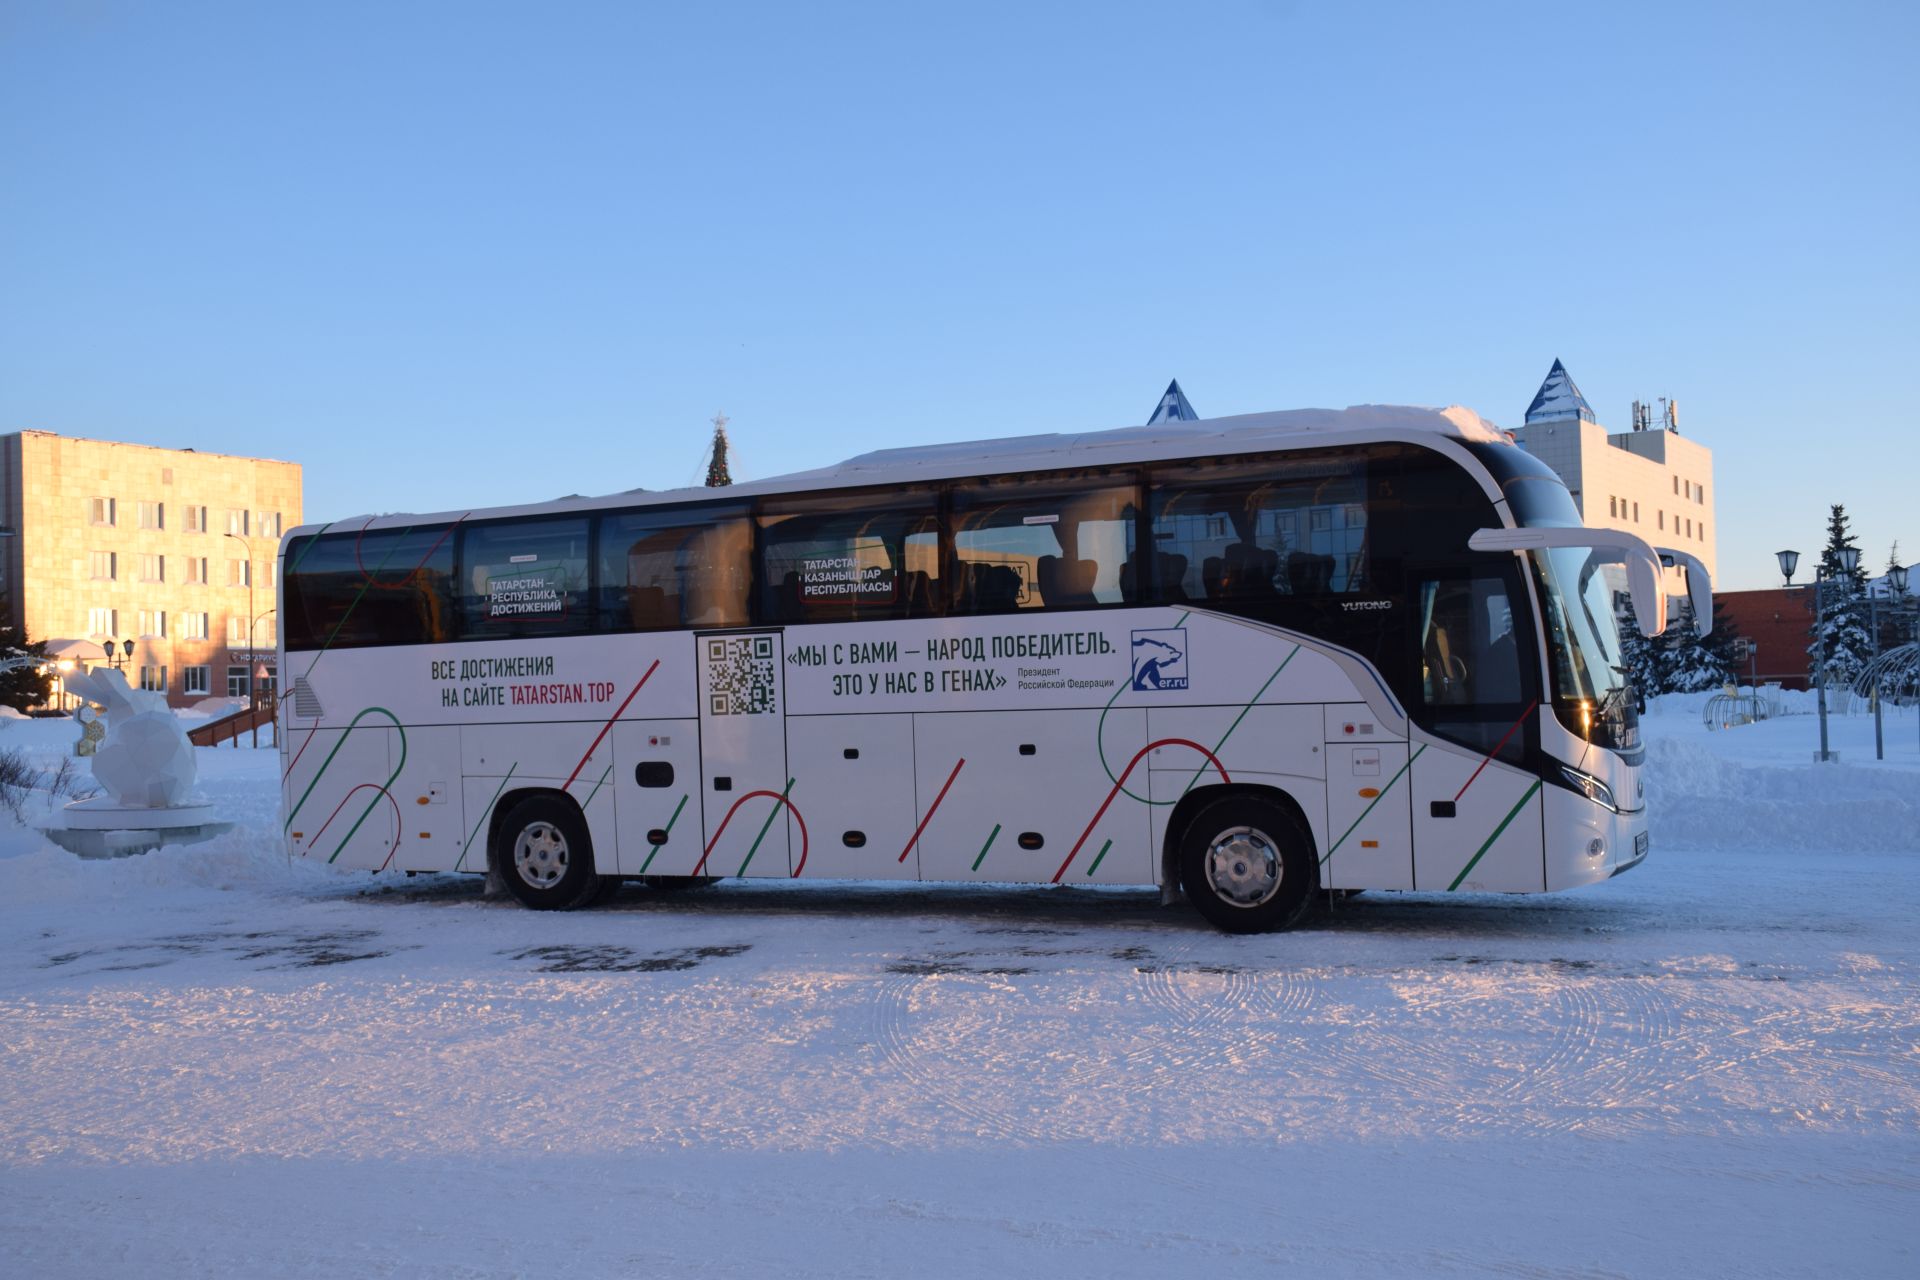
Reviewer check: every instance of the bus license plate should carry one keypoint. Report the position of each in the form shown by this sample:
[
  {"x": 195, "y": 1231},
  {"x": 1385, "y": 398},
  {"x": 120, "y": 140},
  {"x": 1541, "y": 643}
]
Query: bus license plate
[{"x": 1640, "y": 844}]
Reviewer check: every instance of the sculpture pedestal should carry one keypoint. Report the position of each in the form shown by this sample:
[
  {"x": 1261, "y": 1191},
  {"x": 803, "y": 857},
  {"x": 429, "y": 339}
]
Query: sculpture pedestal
[{"x": 103, "y": 828}]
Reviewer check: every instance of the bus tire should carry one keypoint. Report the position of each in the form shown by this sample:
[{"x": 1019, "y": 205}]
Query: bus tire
[
  {"x": 1247, "y": 864},
  {"x": 544, "y": 855}
]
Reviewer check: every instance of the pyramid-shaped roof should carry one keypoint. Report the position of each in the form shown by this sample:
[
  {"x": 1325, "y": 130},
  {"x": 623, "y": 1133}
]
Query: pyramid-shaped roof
[
  {"x": 1173, "y": 406},
  {"x": 1558, "y": 400}
]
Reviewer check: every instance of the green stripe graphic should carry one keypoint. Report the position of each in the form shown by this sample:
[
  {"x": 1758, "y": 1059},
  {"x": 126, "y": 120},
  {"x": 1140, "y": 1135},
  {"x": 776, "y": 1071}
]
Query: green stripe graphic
[
  {"x": 1205, "y": 764},
  {"x": 596, "y": 790},
  {"x": 1376, "y": 800},
  {"x": 765, "y": 827},
  {"x": 667, "y": 832},
  {"x": 1504, "y": 822},
  {"x": 1096, "y": 857},
  {"x": 483, "y": 815},
  {"x": 991, "y": 837}
]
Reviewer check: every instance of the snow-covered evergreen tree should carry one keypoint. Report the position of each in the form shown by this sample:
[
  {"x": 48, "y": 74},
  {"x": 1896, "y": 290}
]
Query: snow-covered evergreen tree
[
  {"x": 1643, "y": 658},
  {"x": 23, "y": 687},
  {"x": 1843, "y": 641},
  {"x": 1696, "y": 663}
]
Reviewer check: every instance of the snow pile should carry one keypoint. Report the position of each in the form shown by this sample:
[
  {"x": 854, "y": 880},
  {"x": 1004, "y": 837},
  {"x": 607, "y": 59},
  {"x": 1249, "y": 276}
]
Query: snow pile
[{"x": 1701, "y": 799}]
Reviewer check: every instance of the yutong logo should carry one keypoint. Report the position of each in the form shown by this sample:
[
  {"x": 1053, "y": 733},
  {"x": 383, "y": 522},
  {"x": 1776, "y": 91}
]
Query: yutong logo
[
  {"x": 1160, "y": 659},
  {"x": 1365, "y": 606}
]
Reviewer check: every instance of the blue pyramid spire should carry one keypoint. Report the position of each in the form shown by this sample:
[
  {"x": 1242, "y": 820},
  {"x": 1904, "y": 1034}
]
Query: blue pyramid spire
[
  {"x": 1173, "y": 406},
  {"x": 1558, "y": 399}
]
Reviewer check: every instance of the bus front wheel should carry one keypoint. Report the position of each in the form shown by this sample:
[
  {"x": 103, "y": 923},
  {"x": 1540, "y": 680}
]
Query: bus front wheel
[
  {"x": 544, "y": 856},
  {"x": 1247, "y": 865}
]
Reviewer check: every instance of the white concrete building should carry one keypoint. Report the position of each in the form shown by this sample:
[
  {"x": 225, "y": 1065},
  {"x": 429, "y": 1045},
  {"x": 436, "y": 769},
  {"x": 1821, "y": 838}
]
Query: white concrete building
[{"x": 1654, "y": 482}]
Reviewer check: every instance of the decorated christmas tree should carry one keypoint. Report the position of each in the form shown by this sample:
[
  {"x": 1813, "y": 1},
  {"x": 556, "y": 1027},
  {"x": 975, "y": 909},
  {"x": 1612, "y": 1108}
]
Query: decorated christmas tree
[{"x": 718, "y": 475}]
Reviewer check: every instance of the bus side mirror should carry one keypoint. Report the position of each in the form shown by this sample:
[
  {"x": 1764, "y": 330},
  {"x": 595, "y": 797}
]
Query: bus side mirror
[{"x": 1643, "y": 566}]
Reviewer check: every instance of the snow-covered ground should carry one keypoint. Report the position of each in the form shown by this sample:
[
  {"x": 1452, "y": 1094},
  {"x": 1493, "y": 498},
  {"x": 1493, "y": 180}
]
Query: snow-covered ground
[{"x": 212, "y": 1063}]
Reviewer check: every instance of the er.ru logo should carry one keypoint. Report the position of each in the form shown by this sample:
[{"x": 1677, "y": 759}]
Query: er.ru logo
[{"x": 1160, "y": 659}]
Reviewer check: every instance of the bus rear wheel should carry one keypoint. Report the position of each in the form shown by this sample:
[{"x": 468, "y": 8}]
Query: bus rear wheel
[
  {"x": 544, "y": 855},
  {"x": 1247, "y": 865}
]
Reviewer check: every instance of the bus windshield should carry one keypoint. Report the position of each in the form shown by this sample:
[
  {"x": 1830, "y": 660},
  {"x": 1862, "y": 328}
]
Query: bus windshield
[{"x": 1583, "y": 643}]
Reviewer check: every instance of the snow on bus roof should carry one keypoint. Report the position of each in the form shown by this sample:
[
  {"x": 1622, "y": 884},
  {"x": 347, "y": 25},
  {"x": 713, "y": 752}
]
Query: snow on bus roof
[{"x": 1034, "y": 452}]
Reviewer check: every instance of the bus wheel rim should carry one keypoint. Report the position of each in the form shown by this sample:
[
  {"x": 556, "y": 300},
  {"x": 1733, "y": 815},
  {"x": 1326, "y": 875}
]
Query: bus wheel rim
[
  {"x": 540, "y": 855},
  {"x": 1244, "y": 867}
]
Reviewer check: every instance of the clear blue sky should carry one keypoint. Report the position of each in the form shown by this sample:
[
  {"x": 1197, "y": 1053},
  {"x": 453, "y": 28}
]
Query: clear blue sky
[{"x": 461, "y": 254}]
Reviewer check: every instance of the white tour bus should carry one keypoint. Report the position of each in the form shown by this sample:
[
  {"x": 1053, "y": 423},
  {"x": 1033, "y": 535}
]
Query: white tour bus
[{"x": 1244, "y": 659}]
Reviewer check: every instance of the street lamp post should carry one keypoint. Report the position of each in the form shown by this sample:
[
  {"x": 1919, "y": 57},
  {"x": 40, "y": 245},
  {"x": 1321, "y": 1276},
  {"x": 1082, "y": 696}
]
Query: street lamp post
[
  {"x": 248, "y": 547},
  {"x": 258, "y": 674},
  {"x": 1849, "y": 560}
]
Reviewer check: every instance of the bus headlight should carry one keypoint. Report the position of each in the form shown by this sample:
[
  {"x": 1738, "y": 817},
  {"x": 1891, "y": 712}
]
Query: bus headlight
[{"x": 1591, "y": 787}]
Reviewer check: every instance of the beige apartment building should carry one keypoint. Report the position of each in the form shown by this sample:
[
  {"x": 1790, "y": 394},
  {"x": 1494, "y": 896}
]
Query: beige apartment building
[
  {"x": 1652, "y": 481},
  {"x": 170, "y": 549}
]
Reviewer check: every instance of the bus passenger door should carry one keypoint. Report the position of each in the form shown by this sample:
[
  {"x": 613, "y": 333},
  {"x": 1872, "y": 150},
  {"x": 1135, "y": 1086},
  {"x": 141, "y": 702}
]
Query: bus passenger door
[
  {"x": 1476, "y": 810},
  {"x": 743, "y": 756}
]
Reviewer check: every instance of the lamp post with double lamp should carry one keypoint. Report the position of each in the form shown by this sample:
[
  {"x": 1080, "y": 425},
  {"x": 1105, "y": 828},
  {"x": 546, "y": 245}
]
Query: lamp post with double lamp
[{"x": 1849, "y": 561}]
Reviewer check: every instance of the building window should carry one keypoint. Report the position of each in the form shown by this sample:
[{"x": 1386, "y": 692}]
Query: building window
[
  {"x": 196, "y": 681},
  {"x": 1676, "y": 485},
  {"x": 238, "y": 682},
  {"x": 153, "y": 624},
  {"x": 103, "y": 622},
  {"x": 153, "y": 515},
  {"x": 153, "y": 679},
  {"x": 197, "y": 570},
  {"x": 237, "y": 523},
  {"x": 269, "y": 524},
  {"x": 1636, "y": 513},
  {"x": 1703, "y": 531},
  {"x": 236, "y": 631},
  {"x": 103, "y": 565},
  {"x": 101, "y": 510},
  {"x": 1700, "y": 494},
  {"x": 196, "y": 519},
  {"x": 1613, "y": 507},
  {"x": 239, "y": 573},
  {"x": 1689, "y": 528},
  {"x": 1663, "y": 521},
  {"x": 193, "y": 626},
  {"x": 153, "y": 568}
]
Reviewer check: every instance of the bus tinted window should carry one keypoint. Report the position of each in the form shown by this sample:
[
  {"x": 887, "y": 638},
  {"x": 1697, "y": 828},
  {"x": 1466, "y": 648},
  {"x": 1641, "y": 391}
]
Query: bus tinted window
[
  {"x": 1242, "y": 531},
  {"x": 661, "y": 570},
  {"x": 845, "y": 558},
  {"x": 391, "y": 586},
  {"x": 1056, "y": 542},
  {"x": 524, "y": 578}
]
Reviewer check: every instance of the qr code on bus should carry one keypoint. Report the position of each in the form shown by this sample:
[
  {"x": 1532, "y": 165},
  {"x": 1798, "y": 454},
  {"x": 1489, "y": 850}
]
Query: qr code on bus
[{"x": 740, "y": 675}]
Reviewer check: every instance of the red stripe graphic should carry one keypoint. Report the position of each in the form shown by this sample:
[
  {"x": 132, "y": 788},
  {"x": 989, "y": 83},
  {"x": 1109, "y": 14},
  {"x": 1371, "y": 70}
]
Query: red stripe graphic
[
  {"x": 1137, "y": 757},
  {"x": 397, "y": 832},
  {"x": 936, "y": 804},
  {"x": 605, "y": 728},
  {"x": 701, "y": 866},
  {"x": 1496, "y": 746}
]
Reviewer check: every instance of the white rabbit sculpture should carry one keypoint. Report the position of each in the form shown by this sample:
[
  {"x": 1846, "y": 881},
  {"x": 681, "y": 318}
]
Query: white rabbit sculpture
[{"x": 144, "y": 760}]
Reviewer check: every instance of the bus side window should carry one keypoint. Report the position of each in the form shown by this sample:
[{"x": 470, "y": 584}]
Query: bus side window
[
  {"x": 1252, "y": 530},
  {"x": 850, "y": 557},
  {"x": 524, "y": 578},
  {"x": 661, "y": 570},
  {"x": 383, "y": 587},
  {"x": 1054, "y": 542}
]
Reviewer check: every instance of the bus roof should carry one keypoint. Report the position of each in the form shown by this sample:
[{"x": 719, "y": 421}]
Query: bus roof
[{"x": 1249, "y": 432}]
